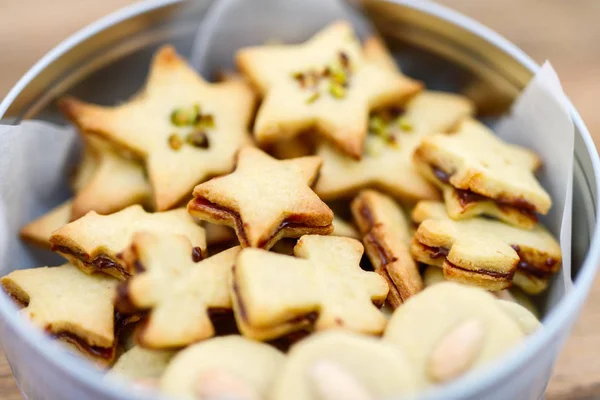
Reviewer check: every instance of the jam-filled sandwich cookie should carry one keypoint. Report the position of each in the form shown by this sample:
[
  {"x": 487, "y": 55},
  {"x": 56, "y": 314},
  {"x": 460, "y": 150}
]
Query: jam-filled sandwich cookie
[
  {"x": 228, "y": 367},
  {"x": 175, "y": 288},
  {"x": 480, "y": 174},
  {"x": 386, "y": 236},
  {"x": 322, "y": 287},
  {"x": 107, "y": 182},
  {"x": 465, "y": 327},
  {"x": 69, "y": 305},
  {"x": 264, "y": 199},
  {"x": 95, "y": 242},
  {"x": 484, "y": 252},
  {"x": 184, "y": 128},
  {"x": 343, "y": 365},
  {"x": 140, "y": 366},
  {"x": 393, "y": 135},
  {"x": 325, "y": 84},
  {"x": 39, "y": 230}
]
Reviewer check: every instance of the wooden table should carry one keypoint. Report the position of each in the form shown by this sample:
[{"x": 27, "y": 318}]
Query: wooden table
[{"x": 565, "y": 32}]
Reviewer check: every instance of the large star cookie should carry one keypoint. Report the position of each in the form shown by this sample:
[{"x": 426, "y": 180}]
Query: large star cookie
[
  {"x": 69, "y": 305},
  {"x": 275, "y": 294},
  {"x": 394, "y": 134},
  {"x": 185, "y": 128},
  {"x": 264, "y": 199},
  {"x": 387, "y": 236},
  {"x": 106, "y": 181},
  {"x": 229, "y": 367},
  {"x": 344, "y": 365},
  {"x": 484, "y": 252},
  {"x": 482, "y": 175},
  {"x": 325, "y": 84},
  {"x": 95, "y": 242},
  {"x": 177, "y": 291}
]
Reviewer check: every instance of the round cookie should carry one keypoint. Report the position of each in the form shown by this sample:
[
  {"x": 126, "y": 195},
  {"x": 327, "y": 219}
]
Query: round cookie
[
  {"x": 450, "y": 329},
  {"x": 343, "y": 365},
  {"x": 223, "y": 366}
]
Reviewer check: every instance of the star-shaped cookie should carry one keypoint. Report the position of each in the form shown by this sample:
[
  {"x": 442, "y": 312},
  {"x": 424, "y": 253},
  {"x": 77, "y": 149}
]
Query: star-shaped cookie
[
  {"x": 95, "y": 242},
  {"x": 394, "y": 134},
  {"x": 184, "y": 128},
  {"x": 275, "y": 294},
  {"x": 177, "y": 291},
  {"x": 69, "y": 305},
  {"x": 264, "y": 199},
  {"x": 108, "y": 182},
  {"x": 39, "y": 230},
  {"x": 325, "y": 84}
]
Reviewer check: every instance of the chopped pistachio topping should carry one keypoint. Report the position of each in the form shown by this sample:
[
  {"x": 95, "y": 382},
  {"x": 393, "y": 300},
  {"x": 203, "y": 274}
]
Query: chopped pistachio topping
[
  {"x": 344, "y": 59},
  {"x": 405, "y": 124},
  {"x": 337, "y": 90},
  {"x": 175, "y": 141},
  {"x": 313, "y": 97},
  {"x": 377, "y": 125},
  {"x": 338, "y": 75},
  {"x": 197, "y": 139},
  {"x": 184, "y": 116},
  {"x": 206, "y": 121},
  {"x": 392, "y": 141}
]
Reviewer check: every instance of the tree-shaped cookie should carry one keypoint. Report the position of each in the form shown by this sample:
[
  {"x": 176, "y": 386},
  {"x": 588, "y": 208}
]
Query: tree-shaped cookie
[
  {"x": 177, "y": 291},
  {"x": 264, "y": 199},
  {"x": 274, "y": 294},
  {"x": 393, "y": 135},
  {"x": 69, "y": 305},
  {"x": 325, "y": 84},
  {"x": 94, "y": 242},
  {"x": 387, "y": 236},
  {"x": 185, "y": 128},
  {"x": 107, "y": 182},
  {"x": 480, "y": 174},
  {"x": 484, "y": 252}
]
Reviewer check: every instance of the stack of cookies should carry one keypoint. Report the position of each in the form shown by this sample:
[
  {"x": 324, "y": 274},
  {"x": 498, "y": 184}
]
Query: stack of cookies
[{"x": 215, "y": 237}]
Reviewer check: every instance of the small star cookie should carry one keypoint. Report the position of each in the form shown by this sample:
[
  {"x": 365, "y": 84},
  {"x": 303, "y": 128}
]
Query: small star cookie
[
  {"x": 450, "y": 329},
  {"x": 387, "y": 236},
  {"x": 175, "y": 289},
  {"x": 39, "y": 230},
  {"x": 325, "y": 84},
  {"x": 393, "y": 135},
  {"x": 228, "y": 367},
  {"x": 94, "y": 242},
  {"x": 264, "y": 199},
  {"x": 344, "y": 365},
  {"x": 274, "y": 294},
  {"x": 482, "y": 175},
  {"x": 69, "y": 305},
  {"x": 484, "y": 252},
  {"x": 184, "y": 128},
  {"x": 112, "y": 184}
]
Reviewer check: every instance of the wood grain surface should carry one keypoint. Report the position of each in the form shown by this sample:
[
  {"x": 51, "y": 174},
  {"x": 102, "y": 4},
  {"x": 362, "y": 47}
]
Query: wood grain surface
[{"x": 565, "y": 32}]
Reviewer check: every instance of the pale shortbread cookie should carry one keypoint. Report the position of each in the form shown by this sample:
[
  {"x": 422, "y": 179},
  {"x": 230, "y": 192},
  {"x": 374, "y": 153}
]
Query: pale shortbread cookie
[
  {"x": 175, "y": 288},
  {"x": 39, "y": 230},
  {"x": 325, "y": 85},
  {"x": 450, "y": 329},
  {"x": 218, "y": 234},
  {"x": 323, "y": 285},
  {"x": 184, "y": 128},
  {"x": 386, "y": 236},
  {"x": 344, "y": 228},
  {"x": 264, "y": 199},
  {"x": 141, "y": 365},
  {"x": 340, "y": 365},
  {"x": 484, "y": 252},
  {"x": 229, "y": 367},
  {"x": 482, "y": 175},
  {"x": 526, "y": 319},
  {"x": 394, "y": 134},
  {"x": 68, "y": 305},
  {"x": 114, "y": 183},
  {"x": 94, "y": 242},
  {"x": 433, "y": 275}
]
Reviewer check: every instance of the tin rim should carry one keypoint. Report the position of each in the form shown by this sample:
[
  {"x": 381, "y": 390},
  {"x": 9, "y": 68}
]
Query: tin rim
[{"x": 468, "y": 385}]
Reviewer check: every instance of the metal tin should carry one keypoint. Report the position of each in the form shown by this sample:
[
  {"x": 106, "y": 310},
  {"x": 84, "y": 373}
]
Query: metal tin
[{"x": 108, "y": 60}]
